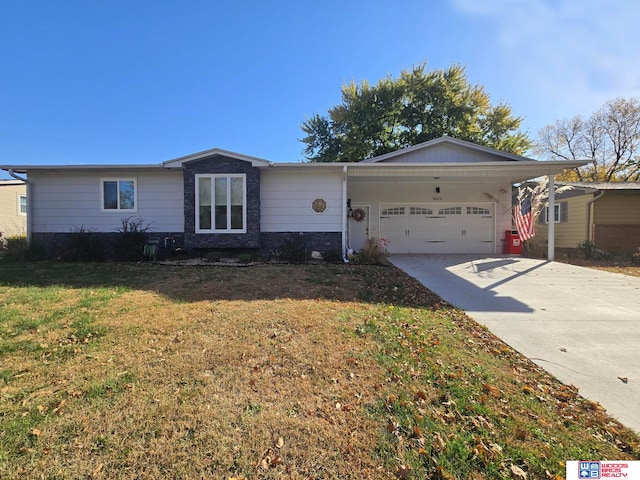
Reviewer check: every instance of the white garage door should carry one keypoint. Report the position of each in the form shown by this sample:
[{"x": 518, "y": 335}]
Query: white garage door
[{"x": 438, "y": 228}]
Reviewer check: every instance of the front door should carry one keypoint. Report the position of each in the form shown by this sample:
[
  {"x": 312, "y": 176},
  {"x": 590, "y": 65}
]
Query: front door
[{"x": 359, "y": 227}]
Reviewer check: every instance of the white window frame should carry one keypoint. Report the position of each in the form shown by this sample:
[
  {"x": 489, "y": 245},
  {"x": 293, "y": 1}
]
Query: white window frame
[
  {"x": 556, "y": 213},
  {"x": 118, "y": 180},
  {"x": 212, "y": 178},
  {"x": 26, "y": 205}
]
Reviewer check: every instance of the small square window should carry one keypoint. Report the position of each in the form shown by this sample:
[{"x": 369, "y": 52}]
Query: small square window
[
  {"x": 119, "y": 195},
  {"x": 22, "y": 204}
]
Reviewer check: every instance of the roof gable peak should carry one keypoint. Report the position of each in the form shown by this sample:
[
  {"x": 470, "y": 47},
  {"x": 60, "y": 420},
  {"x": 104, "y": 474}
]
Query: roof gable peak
[
  {"x": 445, "y": 139},
  {"x": 178, "y": 162}
]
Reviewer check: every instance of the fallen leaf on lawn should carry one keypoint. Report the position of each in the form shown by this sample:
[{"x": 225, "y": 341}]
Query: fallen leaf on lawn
[
  {"x": 518, "y": 472},
  {"x": 439, "y": 442},
  {"x": 97, "y": 470},
  {"x": 593, "y": 405},
  {"x": 269, "y": 460},
  {"x": 495, "y": 448},
  {"x": 59, "y": 407},
  {"x": 36, "y": 432},
  {"x": 402, "y": 472},
  {"x": 280, "y": 442},
  {"x": 552, "y": 476},
  {"x": 442, "y": 474},
  {"x": 491, "y": 390}
]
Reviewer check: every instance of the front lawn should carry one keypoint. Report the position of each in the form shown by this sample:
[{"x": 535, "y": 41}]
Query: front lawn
[{"x": 120, "y": 371}]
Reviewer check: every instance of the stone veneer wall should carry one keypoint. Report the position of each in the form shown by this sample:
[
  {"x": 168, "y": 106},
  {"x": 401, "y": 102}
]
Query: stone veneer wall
[
  {"x": 57, "y": 244},
  {"x": 223, "y": 165},
  {"x": 323, "y": 242}
]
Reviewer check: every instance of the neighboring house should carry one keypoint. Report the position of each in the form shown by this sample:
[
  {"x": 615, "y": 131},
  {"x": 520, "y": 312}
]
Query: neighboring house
[
  {"x": 442, "y": 196},
  {"x": 13, "y": 208},
  {"x": 606, "y": 214}
]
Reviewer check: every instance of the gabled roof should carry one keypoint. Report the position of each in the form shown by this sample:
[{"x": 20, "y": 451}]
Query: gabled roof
[
  {"x": 443, "y": 141},
  {"x": 475, "y": 162},
  {"x": 21, "y": 169},
  {"x": 169, "y": 164},
  {"x": 178, "y": 162}
]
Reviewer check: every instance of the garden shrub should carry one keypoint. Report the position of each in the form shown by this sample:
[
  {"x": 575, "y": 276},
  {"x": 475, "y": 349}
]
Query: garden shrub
[
  {"x": 129, "y": 244},
  {"x": 82, "y": 246},
  {"x": 333, "y": 256},
  {"x": 371, "y": 254},
  {"x": 213, "y": 257},
  {"x": 589, "y": 251},
  {"x": 19, "y": 250},
  {"x": 293, "y": 249}
]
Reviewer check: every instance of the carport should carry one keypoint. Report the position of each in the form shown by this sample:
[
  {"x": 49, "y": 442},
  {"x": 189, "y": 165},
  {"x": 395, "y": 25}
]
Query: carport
[{"x": 441, "y": 196}]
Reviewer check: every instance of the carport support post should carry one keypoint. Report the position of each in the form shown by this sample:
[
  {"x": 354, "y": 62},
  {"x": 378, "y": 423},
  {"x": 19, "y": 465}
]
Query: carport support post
[
  {"x": 551, "y": 219},
  {"x": 345, "y": 223}
]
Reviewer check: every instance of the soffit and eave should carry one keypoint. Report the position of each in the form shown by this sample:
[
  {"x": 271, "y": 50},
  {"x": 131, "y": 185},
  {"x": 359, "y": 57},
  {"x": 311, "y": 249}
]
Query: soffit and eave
[{"x": 514, "y": 172}]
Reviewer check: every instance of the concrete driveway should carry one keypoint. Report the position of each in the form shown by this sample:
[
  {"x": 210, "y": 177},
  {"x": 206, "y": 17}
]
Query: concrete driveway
[{"x": 579, "y": 324}]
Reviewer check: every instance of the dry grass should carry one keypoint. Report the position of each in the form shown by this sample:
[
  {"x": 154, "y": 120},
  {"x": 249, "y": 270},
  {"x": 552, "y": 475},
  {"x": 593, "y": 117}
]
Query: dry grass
[
  {"x": 615, "y": 266},
  {"x": 140, "y": 371}
]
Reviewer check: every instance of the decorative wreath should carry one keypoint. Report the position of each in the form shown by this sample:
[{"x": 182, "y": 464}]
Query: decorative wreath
[{"x": 358, "y": 215}]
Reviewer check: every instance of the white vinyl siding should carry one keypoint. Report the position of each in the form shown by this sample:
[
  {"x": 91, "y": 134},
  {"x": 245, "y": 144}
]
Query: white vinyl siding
[
  {"x": 444, "y": 154},
  {"x": 64, "y": 201},
  {"x": 286, "y": 199}
]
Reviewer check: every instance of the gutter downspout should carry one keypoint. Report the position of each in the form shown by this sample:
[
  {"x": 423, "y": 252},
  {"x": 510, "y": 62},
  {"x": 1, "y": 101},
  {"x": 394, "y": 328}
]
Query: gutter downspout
[
  {"x": 344, "y": 214},
  {"x": 29, "y": 216},
  {"x": 587, "y": 228}
]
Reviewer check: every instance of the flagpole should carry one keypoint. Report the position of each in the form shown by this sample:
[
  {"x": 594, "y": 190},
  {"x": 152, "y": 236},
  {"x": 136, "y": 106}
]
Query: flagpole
[{"x": 551, "y": 220}]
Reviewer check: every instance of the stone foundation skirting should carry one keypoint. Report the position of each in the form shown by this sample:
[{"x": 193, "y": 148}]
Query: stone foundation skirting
[
  {"x": 323, "y": 242},
  {"x": 103, "y": 246}
]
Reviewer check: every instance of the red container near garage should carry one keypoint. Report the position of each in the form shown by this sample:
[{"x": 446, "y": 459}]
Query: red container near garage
[{"x": 512, "y": 243}]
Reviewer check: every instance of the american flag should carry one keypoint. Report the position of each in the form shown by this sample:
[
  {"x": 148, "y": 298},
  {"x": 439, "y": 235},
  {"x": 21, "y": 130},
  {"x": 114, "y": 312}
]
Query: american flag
[{"x": 523, "y": 219}]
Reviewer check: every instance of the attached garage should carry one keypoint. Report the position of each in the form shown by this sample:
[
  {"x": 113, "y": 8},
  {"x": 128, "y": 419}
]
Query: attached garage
[{"x": 438, "y": 228}]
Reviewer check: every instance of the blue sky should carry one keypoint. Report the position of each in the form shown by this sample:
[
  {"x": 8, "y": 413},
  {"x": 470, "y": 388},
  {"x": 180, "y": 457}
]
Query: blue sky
[{"x": 141, "y": 81}]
